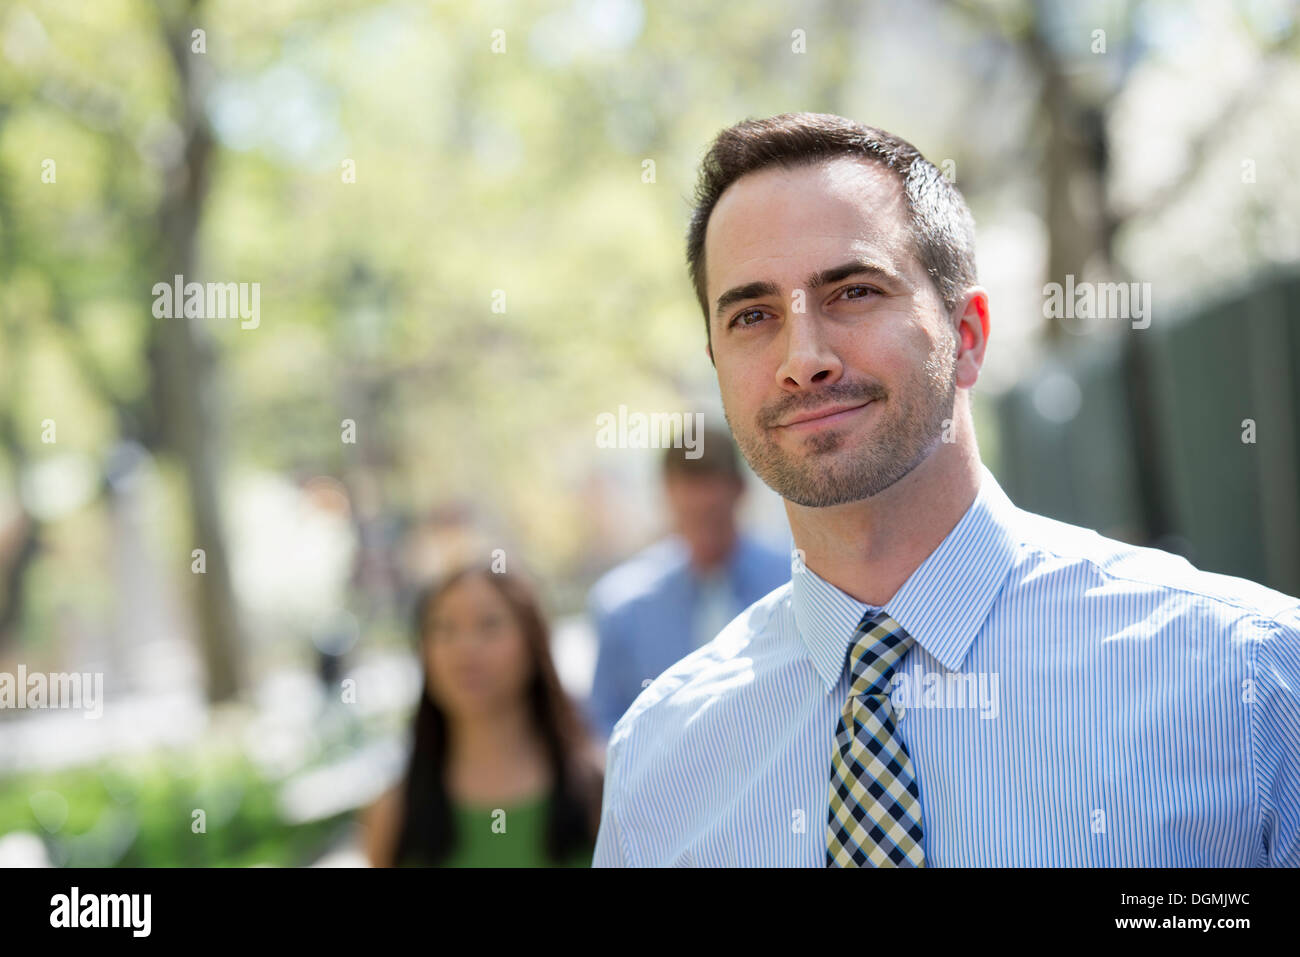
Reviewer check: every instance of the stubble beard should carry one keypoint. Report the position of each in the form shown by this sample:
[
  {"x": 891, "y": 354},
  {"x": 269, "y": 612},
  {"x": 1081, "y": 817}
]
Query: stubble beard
[{"x": 834, "y": 467}]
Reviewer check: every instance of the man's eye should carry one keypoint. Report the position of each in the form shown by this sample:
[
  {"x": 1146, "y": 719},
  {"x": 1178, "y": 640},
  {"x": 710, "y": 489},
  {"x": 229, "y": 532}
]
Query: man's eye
[
  {"x": 747, "y": 312},
  {"x": 863, "y": 289}
]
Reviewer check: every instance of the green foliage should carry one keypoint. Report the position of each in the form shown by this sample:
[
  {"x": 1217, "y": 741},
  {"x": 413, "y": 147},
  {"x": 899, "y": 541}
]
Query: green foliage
[
  {"x": 140, "y": 814},
  {"x": 474, "y": 172}
]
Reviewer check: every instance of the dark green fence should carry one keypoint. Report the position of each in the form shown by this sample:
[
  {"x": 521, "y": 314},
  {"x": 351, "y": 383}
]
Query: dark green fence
[{"x": 1140, "y": 435}]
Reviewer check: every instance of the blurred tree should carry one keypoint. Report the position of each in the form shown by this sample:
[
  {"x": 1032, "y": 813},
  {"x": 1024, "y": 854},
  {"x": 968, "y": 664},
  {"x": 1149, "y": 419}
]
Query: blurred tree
[
  {"x": 177, "y": 412},
  {"x": 183, "y": 359},
  {"x": 1082, "y": 59}
]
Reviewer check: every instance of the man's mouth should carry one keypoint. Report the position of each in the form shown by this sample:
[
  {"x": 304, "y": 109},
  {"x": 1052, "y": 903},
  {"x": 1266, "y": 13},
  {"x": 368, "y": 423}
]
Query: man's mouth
[{"x": 827, "y": 415}]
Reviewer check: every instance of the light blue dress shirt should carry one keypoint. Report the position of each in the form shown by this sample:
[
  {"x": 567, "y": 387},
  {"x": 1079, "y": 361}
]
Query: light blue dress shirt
[
  {"x": 1069, "y": 701},
  {"x": 647, "y": 614}
]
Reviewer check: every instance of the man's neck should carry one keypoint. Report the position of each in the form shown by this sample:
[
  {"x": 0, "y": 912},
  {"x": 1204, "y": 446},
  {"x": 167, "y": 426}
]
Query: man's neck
[
  {"x": 718, "y": 567},
  {"x": 868, "y": 549}
]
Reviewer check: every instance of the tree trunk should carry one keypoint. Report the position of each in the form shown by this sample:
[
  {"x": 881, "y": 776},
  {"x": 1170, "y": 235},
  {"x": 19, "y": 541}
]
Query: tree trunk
[{"x": 184, "y": 371}]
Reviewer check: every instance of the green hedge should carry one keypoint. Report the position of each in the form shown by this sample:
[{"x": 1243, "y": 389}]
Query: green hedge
[{"x": 139, "y": 813}]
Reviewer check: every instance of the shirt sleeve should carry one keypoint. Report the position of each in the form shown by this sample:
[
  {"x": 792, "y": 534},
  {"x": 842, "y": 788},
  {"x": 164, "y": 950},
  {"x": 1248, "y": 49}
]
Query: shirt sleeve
[
  {"x": 611, "y": 847},
  {"x": 1275, "y": 726}
]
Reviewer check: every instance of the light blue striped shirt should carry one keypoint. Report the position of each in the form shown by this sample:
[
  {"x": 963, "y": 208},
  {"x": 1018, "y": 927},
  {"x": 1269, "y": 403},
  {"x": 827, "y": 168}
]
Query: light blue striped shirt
[{"x": 1069, "y": 701}]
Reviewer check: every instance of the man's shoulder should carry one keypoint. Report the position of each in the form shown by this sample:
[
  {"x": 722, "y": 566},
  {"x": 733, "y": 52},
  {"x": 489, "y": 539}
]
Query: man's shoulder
[
  {"x": 640, "y": 577},
  {"x": 665, "y": 704},
  {"x": 1047, "y": 544}
]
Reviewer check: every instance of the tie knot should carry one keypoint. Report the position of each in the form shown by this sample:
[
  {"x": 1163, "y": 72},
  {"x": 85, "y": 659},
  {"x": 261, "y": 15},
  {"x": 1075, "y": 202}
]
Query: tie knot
[{"x": 879, "y": 644}]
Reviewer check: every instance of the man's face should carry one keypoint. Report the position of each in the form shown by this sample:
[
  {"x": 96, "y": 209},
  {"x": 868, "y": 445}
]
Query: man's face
[
  {"x": 873, "y": 345},
  {"x": 703, "y": 509}
]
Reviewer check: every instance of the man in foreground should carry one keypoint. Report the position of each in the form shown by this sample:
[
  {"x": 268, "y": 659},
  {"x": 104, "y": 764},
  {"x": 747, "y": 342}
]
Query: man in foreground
[{"x": 947, "y": 680}]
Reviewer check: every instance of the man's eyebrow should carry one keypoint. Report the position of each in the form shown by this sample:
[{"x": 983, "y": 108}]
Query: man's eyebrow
[
  {"x": 750, "y": 290},
  {"x": 855, "y": 267}
]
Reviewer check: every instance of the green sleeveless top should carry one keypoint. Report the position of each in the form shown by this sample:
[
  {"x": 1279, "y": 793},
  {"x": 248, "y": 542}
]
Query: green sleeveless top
[{"x": 513, "y": 837}]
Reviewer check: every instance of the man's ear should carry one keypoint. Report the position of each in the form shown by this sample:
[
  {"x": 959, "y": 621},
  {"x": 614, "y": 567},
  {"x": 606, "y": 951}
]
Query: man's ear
[
  {"x": 708, "y": 351},
  {"x": 972, "y": 318}
]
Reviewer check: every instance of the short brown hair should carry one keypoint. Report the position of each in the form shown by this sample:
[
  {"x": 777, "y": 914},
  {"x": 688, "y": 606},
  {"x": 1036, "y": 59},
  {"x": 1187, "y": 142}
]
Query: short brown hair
[{"x": 942, "y": 227}]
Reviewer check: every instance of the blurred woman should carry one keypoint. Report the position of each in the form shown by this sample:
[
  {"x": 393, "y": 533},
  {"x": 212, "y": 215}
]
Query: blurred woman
[{"x": 502, "y": 771}]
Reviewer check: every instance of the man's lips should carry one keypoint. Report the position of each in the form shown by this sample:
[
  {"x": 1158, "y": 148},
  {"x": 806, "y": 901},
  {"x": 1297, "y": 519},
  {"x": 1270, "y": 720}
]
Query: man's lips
[{"x": 826, "y": 415}]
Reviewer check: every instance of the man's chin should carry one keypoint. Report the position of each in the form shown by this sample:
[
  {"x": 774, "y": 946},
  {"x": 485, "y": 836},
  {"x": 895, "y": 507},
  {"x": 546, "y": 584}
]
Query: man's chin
[
  {"x": 825, "y": 452},
  {"x": 820, "y": 481},
  {"x": 814, "y": 486},
  {"x": 821, "y": 497}
]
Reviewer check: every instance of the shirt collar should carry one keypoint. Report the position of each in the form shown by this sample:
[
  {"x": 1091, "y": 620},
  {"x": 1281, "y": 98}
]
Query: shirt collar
[{"x": 942, "y": 604}]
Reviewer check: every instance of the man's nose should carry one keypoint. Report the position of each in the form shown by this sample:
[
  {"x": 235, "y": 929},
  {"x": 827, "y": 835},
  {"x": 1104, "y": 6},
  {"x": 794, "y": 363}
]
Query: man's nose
[{"x": 809, "y": 358}]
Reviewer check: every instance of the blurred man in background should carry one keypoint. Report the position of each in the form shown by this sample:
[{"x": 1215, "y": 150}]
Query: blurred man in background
[{"x": 676, "y": 595}]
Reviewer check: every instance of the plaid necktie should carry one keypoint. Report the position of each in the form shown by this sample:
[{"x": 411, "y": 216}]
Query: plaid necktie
[{"x": 875, "y": 812}]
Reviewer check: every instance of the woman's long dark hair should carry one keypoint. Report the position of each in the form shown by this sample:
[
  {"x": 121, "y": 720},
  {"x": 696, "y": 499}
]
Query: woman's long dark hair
[{"x": 427, "y": 834}]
